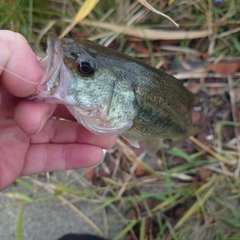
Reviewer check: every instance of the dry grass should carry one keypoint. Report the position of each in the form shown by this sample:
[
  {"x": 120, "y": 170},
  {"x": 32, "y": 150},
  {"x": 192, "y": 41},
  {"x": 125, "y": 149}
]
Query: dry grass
[{"x": 191, "y": 191}]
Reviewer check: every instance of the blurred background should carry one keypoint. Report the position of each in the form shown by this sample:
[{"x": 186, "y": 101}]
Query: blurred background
[{"x": 189, "y": 192}]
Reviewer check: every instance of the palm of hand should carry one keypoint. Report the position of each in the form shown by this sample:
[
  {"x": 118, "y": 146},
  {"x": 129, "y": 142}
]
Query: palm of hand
[{"x": 14, "y": 143}]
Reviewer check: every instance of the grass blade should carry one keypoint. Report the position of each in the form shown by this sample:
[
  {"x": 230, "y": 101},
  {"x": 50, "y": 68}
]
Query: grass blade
[
  {"x": 125, "y": 230},
  {"x": 19, "y": 224},
  {"x": 146, "y": 4},
  {"x": 86, "y": 8}
]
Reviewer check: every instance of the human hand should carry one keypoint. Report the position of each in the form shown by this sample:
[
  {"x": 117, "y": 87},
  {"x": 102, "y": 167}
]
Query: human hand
[{"x": 30, "y": 140}]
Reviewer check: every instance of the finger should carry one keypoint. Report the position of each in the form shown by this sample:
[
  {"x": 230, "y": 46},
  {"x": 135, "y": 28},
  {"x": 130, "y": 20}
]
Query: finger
[
  {"x": 31, "y": 116},
  {"x": 57, "y": 157},
  {"x": 0, "y": 97},
  {"x": 8, "y": 103},
  {"x": 20, "y": 63},
  {"x": 57, "y": 131}
]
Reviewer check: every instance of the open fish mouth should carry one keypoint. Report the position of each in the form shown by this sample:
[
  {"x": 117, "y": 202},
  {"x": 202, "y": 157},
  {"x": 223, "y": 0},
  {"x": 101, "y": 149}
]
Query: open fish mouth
[
  {"x": 52, "y": 64},
  {"x": 53, "y": 84}
]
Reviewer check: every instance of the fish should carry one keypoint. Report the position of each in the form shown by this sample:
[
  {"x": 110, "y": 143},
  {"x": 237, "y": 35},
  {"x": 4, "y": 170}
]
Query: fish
[{"x": 111, "y": 93}]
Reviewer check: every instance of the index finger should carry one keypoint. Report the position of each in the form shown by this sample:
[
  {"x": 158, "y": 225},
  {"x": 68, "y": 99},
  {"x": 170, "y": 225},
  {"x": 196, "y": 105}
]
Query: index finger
[{"x": 22, "y": 71}]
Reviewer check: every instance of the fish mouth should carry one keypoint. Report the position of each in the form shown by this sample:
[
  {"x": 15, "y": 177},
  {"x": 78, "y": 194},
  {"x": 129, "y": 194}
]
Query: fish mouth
[
  {"x": 51, "y": 64},
  {"x": 56, "y": 79}
]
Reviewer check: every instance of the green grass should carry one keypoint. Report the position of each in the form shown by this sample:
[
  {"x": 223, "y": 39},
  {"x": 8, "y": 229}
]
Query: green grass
[{"x": 172, "y": 200}]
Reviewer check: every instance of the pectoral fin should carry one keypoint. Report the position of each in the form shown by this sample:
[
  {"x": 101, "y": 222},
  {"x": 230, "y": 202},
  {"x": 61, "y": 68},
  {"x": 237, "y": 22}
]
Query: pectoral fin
[
  {"x": 153, "y": 145},
  {"x": 132, "y": 141}
]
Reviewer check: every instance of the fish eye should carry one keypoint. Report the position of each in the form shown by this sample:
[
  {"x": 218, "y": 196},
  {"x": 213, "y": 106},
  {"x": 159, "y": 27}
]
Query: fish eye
[{"x": 85, "y": 68}]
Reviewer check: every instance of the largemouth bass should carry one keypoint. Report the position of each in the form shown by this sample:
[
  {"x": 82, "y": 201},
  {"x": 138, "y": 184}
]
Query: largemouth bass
[{"x": 111, "y": 93}]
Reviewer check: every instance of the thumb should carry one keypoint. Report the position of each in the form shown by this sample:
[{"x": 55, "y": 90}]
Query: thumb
[{"x": 19, "y": 69}]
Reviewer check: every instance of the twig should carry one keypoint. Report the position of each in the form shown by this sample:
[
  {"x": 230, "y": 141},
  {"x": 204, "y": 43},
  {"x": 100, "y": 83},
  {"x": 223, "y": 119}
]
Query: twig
[
  {"x": 224, "y": 34},
  {"x": 146, "y": 33},
  {"x": 235, "y": 119},
  {"x": 217, "y": 170},
  {"x": 212, "y": 152}
]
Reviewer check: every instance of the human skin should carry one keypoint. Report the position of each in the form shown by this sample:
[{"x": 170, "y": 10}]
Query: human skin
[{"x": 31, "y": 141}]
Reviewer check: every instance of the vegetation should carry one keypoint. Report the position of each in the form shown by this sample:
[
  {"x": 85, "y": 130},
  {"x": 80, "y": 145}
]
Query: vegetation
[{"x": 189, "y": 192}]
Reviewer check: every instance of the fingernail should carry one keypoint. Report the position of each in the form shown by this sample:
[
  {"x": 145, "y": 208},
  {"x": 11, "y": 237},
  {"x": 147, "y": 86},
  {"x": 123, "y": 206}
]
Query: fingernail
[
  {"x": 42, "y": 123},
  {"x": 104, "y": 155}
]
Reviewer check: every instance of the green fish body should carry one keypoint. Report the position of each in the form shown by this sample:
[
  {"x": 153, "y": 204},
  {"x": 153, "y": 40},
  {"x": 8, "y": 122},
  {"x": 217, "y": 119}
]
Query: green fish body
[{"x": 111, "y": 93}]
